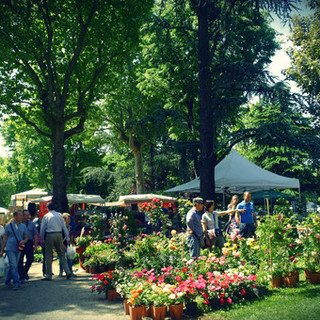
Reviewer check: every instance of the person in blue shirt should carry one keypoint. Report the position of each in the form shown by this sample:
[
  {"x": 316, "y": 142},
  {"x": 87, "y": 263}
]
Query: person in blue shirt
[
  {"x": 29, "y": 248},
  {"x": 195, "y": 232},
  {"x": 15, "y": 233},
  {"x": 247, "y": 220}
]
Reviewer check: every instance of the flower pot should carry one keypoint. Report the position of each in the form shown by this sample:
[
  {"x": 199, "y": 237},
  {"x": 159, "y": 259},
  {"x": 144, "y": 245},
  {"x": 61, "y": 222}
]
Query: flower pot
[
  {"x": 176, "y": 311},
  {"x": 112, "y": 295},
  {"x": 312, "y": 277},
  {"x": 296, "y": 273},
  {"x": 159, "y": 313},
  {"x": 135, "y": 312},
  {"x": 276, "y": 282},
  {"x": 80, "y": 250},
  {"x": 86, "y": 269},
  {"x": 126, "y": 306},
  {"x": 92, "y": 270},
  {"x": 146, "y": 311},
  {"x": 290, "y": 281}
]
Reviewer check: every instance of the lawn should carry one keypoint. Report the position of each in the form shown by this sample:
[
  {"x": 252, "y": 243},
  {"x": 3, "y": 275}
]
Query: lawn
[{"x": 300, "y": 303}]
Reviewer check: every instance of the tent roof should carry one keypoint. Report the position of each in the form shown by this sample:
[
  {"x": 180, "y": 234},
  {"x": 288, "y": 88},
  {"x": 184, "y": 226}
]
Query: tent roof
[
  {"x": 3, "y": 210},
  {"x": 238, "y": 174},
  {"x": 75, "y": 198},
  {"x": 138, "y": 198},
  {"x": 30, "y": 194}
]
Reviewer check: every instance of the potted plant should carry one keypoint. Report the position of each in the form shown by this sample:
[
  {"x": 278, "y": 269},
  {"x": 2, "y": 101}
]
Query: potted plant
[{"x": 105, "y": 282}]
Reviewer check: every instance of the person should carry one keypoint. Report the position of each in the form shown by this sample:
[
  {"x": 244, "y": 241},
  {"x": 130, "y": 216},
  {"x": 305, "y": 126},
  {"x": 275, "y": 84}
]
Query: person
[
  {"x": 67, "y": 218},
  {"x": 232, "y": 226},
  {"x": 211, "y": 228},
  {"x": 195, "y": 232},
  {"x": 29, "y": 248},
  {"x": 51, "y": 237},
  {"x": 15, "y": 234},
  {"x": 247, "y": 220}
]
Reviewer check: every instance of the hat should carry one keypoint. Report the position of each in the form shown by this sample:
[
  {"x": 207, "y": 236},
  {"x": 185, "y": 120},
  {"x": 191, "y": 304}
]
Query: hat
[{"x": 197, "y": 200}]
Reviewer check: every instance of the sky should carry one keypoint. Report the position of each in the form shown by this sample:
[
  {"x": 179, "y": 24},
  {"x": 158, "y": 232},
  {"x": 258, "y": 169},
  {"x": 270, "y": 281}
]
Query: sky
[{"x": 280, "y": 61}]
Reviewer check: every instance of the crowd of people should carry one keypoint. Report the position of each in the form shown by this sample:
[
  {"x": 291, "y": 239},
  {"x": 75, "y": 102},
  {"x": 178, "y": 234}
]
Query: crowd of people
[
  {"x": 21, "y": 238},
  {"x": 203, "y": 224}
]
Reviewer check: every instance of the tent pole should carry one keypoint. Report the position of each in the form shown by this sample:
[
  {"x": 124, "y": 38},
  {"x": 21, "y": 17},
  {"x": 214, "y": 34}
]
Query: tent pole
[
  {"x": 268, "y": 210},
  {"x": 224, "y": 199}
]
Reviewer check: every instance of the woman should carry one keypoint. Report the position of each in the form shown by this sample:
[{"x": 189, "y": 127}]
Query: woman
[
  {"x": 15, "y": 233},
  {"x": 210, "y": 224},
  {"x": 232, "y": 225},
  {"x": 67, "y": 219}
]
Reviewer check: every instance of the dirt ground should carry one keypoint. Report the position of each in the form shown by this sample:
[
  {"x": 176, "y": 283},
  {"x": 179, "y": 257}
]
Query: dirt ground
[{"x": 58, "y": 299}]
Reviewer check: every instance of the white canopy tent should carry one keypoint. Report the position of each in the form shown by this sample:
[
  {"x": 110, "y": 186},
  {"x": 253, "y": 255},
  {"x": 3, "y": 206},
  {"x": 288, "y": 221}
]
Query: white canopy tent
[
  {"x": 76, "y": 198},
  {"x": 237, "y": 174},
  {"x": 139, "y": 198},
  {"x": 21, "y": 198}
]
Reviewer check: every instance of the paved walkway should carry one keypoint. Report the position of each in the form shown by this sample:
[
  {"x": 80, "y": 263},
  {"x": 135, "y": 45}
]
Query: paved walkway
[{"x": 58, "y": 299}]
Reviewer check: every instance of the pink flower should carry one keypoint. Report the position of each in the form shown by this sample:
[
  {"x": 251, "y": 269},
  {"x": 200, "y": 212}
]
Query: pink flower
[{"x": 229, "y": 300}]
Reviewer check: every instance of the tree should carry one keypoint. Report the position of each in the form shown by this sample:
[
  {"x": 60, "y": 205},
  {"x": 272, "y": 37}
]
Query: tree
[
  {"x": 218, "y": 23},
  {"x": 285, "y": 141},
  {"x": 55, "y": 60},
  {"x": 305, "y": 59}
]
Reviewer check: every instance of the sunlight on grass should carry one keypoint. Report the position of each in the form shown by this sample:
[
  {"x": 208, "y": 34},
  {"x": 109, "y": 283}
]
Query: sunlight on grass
[{"x": 302, "y": 302}]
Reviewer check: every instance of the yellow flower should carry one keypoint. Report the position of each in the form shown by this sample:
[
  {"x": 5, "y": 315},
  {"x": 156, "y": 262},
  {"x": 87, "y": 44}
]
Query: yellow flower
[
  {"x": 173, "y": 232},
  {"x": 227, "y": 244},
  {"x": 256, "y": 247}
]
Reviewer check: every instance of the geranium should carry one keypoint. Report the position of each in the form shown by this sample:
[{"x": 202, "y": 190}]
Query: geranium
[{"x": 104, "y": 281}]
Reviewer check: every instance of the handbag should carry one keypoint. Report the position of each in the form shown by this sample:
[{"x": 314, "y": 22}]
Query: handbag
[
  {"x": 71, "y": 252},
  {"x": 20, "y": 245}
]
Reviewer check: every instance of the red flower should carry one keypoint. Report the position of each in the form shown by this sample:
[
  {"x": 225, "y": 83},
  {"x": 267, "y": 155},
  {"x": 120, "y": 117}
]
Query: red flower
[
  {"x": 222, "y": 301},
  {"x": 243, "y": 292},
  {"x": 105, "y": 282},
  {"x": 154, "y": 207}
]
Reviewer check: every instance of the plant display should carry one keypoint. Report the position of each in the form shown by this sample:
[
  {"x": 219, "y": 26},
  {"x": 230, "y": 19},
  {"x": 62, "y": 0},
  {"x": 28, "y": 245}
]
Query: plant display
[
  {"x": 310, "y": 239},
  {"x": 83, "y": 241},
  {"x": 104, "y": 281},
  {"x": 159, "y": 216}
]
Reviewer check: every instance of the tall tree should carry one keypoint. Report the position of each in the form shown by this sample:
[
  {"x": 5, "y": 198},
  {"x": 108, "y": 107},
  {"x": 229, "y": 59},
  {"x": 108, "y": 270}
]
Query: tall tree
[
  {"x": 56, "y": 56},
  {"x": 305, "y": 58},
  {"x": 218, "y": 22}
]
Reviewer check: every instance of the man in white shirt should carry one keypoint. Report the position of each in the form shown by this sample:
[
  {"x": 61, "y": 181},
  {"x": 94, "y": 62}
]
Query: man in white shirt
[{"x": 51, "y": 237}]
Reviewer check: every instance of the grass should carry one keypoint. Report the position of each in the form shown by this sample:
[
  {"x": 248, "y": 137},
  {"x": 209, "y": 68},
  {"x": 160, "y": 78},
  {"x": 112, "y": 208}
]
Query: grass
[{"x": 300, "y": 303}]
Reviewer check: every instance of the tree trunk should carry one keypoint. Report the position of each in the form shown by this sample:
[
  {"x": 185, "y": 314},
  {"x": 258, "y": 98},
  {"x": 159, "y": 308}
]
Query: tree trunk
[
  {"x": 138, "y": 170},
  {"x": 207, "y": 154},
  {"x": 59, "y": 171}
]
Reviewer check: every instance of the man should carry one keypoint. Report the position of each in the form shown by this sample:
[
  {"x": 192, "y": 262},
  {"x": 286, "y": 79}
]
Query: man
[
  {"x": 15, "y": 233},
  {"x": 195, "y": 231},
  {"x": 247, "y": 220},
  {"x": 51, "y": 230},
  {"x": 29, "y": 248}
]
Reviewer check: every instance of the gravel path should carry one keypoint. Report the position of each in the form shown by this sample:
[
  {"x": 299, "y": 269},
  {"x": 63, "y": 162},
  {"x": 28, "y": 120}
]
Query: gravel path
[{"x": 58, "y": 299}]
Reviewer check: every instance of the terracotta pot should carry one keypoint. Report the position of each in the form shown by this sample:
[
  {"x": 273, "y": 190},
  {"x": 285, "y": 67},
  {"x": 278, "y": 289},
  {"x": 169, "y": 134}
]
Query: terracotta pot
[
  {"x": 86, "y": 269},
  {"x": 92, "y": 270},
  {"x": 112, "y": 295},
  {"x": 176, "y": 311},
  {"x": 126, "y": 306},
  {"x": 80, "y": 249},
  {"x": 296, "y": 273},
  {"x": 307, "y": 273},
  {"x": 276, "y": 282},
  {"x": 159, "y": 313},
  {"x": 146, "y": 311},
  {"x": 135, "y": 313},
  {"x": 290, "y": 281},
  {"x": 313, "y": 277}
]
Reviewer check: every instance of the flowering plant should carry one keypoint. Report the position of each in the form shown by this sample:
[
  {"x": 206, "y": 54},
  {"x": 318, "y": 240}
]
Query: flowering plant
[
  {"x": 184, "y": 207},
  {"x": 83, "y": 241},
  {"x": 158, "y": 216},
  {"x": 104, "y": 281},
  {"x": 310, "y": 238}
]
